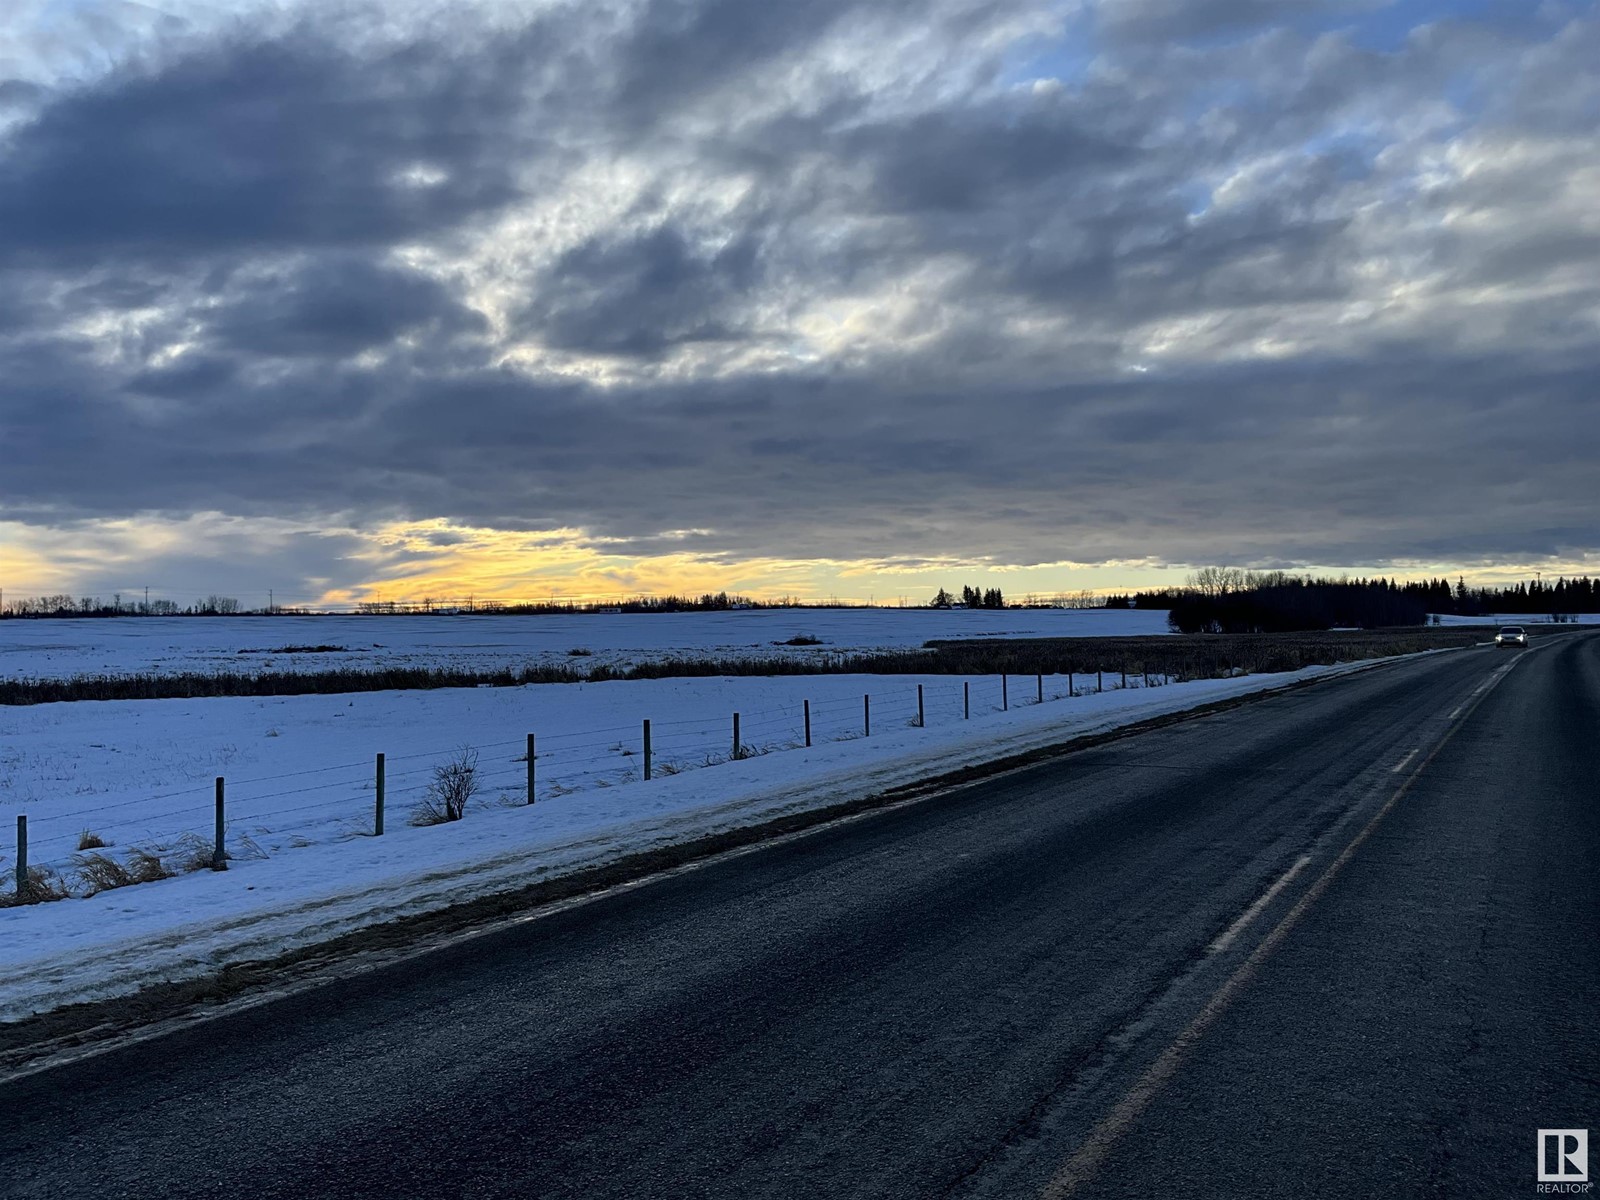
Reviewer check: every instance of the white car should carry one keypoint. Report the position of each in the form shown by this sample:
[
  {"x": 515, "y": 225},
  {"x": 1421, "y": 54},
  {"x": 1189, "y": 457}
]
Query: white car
[{"x": 1512, "y": 635}]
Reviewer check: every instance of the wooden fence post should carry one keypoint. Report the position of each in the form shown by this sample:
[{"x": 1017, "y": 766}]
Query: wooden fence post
[
  {"x": 808, "y": 723},
  {"x": 377, "y": 786},
  {"x": 530, "y": 768},
  {"x": 922, "y": 720},
  {"x": 866, "y": 715},
  {"x": 738, "y": 747},
  {"x": 966, "y": 700},
  {"x": 219, "y": 856},
  {"x": 647, "y": 748},
  {"x": 1005, "y": 693},
  {"x": 22, "y": 857},
  {"x": 1041, "y": 686},
  {"x": 1099, "y": 682}
]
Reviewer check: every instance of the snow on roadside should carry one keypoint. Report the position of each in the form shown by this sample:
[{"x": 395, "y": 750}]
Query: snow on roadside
[{"x": 118, "y": 941}]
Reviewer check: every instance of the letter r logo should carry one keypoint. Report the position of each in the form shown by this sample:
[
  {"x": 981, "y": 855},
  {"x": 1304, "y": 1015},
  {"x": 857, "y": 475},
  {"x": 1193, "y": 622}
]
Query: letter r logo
[{"x": 1563, "y": 1156}]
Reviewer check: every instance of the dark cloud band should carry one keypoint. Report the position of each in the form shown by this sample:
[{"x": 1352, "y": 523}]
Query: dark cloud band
[{"x": 1217, "y": 281}]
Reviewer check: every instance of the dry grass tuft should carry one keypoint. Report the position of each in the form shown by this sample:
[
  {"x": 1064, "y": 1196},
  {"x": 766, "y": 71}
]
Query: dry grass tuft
[
  {"x": 191, "y": 852},
  {"x": 90, "y": 840},
  {"x": 102, "y": 873},
  {"x": 43, "y": 885}
]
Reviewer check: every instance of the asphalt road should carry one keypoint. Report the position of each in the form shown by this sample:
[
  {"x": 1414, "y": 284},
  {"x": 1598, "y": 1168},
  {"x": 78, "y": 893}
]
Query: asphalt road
[{"x": 1341, "y": 942}]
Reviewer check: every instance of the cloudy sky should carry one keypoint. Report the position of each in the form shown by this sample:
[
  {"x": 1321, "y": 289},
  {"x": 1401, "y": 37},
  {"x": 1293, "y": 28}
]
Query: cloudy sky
[{"x": 841, "y": 297}]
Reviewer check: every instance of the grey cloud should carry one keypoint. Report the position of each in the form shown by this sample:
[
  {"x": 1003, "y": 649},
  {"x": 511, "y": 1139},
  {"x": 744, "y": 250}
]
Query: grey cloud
[
  {"x": 335, "y": 305},
  {"x": 1168, "y": 467},
  {"x": 643, "y": 291},
  {"x": 228, "y": 561},
  {"x": 19, "y": 94},
  {"x": 1167, "y": 19},
  {"x": 1343, "y": 378},
  {"x": 682, "y": 50},
  {"x": 967, "y": 161},
  {"x": 115, "y": 291},
  {"x": 190, "y": 376},
  {"x": 289, "y": 144}
]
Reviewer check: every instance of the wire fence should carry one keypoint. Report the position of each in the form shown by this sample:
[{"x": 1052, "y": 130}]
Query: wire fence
[{"x": 206, "y": 825}]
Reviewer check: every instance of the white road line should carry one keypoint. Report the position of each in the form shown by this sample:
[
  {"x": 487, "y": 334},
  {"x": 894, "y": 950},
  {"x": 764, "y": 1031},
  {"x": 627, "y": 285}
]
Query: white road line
[
  {"x": 1401, "y": 765},
  {"x": 1251, "y": 913},
  {"x": 1457, "y": 712}
]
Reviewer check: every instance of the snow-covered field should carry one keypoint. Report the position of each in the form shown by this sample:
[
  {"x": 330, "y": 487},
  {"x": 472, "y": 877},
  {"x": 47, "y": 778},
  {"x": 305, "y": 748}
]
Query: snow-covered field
[
  {"x": 52, "y": 649},
  {"x": 1517, "y": 619},
  {"x": 300, "y": 797}
]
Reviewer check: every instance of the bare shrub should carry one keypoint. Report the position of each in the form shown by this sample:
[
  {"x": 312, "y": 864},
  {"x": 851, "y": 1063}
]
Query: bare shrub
[
  {"x": 90, "y": 840},
  {"x": 579, "y": 652},
  {"x": 454, "y": 784}
]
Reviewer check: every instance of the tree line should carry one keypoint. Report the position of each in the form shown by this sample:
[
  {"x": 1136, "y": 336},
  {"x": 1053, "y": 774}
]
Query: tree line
[
  {"x": 1533, "y": 598},
  {"x": 1230, "y": 600},
  {"x": 706, "y": 602},
  {"x": 94, "y": 606},
  {"x": 64, "y": 605},
  {"x": 971, "y": 597}
]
